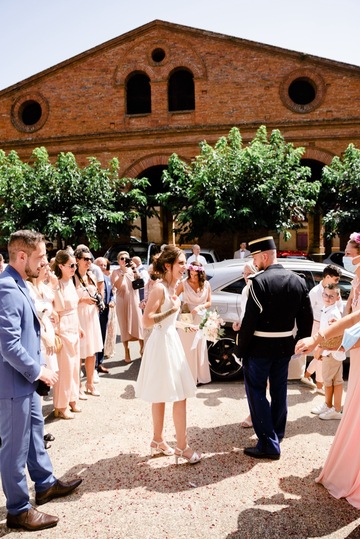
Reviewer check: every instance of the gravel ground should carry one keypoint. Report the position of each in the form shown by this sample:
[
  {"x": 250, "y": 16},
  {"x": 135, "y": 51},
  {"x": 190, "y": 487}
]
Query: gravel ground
[{"x": 127, "y": 494}]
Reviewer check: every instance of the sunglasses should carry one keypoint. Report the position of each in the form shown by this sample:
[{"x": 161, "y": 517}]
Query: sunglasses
[
  {"x": 86, "y": 259},
  {"x": 72, "y": 266},
  {"x": 123, "y": 258}
]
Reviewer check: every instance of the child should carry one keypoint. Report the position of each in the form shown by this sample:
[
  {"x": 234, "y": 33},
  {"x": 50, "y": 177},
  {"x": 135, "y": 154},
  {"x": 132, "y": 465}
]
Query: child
[
  {"x": 332, "y": 367},
  {"x": 331, "y": 275}
]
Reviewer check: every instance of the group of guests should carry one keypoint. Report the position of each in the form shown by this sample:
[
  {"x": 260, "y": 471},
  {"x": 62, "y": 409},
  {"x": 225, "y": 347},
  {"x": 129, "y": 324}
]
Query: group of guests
[{"x": 68, "y": 293}]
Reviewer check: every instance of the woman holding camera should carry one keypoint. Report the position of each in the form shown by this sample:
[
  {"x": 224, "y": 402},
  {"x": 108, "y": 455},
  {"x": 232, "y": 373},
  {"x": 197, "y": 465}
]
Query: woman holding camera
[
  {"x": 86, "y": 288},
  {"x": 127, "y": 303}
]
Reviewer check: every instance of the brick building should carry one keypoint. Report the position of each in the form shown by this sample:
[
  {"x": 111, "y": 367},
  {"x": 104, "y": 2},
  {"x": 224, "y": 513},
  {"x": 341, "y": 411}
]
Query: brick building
[{"x": 163, "y": 87}]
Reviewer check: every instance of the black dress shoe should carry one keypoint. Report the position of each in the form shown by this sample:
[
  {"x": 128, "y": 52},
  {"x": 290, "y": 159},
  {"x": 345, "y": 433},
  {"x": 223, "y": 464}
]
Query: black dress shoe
[
  {"x": 32, "y": 520},
  {"x": 257, "y": 454},
  {"x": 58, "y": 490},
  {"x": 49, "y": 437},
  {"x": 101, "y": 368}
]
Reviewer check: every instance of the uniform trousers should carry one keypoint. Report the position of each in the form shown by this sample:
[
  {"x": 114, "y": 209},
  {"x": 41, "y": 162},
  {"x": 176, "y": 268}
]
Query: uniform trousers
[
  {"x": 268, "y": 418},
  {"x": 22, "y": 444}
]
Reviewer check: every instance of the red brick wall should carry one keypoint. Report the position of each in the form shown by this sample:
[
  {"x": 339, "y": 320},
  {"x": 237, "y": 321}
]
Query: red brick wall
[{"x": 237, "y": 83}]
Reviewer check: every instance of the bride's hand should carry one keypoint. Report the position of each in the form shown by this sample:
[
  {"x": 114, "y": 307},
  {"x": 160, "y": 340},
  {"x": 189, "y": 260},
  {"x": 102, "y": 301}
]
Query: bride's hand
[{"x": 176, "y": 303}]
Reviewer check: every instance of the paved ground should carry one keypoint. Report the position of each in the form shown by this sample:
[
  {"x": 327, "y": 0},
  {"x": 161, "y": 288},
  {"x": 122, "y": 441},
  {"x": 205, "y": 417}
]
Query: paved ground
[{"x": 126, "y": 494}]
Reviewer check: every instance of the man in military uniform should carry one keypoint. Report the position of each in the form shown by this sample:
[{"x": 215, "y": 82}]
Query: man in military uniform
[{"x": 278, "y": 313}]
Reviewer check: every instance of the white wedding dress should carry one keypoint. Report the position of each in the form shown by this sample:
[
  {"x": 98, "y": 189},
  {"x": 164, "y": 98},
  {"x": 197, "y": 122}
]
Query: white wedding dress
[{"x": 164, "y": 374}]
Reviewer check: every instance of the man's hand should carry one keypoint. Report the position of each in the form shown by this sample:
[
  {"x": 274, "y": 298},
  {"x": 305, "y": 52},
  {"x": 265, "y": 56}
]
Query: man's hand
[{"x": 48, "y": 376}]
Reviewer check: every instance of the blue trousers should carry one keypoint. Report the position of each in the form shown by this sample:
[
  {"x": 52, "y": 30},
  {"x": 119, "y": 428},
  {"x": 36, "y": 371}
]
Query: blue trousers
[
  {"x": 22, "y": 445},
  {"x": 268, "y": 418}
]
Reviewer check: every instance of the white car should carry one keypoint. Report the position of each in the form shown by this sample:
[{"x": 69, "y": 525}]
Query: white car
[{"x": 227, "y": 282}]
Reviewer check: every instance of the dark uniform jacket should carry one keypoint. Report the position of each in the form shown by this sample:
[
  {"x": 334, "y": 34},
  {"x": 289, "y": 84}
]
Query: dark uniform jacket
[{"x": 278, "y": 302}]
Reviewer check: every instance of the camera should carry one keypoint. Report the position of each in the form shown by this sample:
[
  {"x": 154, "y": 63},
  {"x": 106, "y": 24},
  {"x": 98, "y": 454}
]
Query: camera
[
  {"x": 42, "y": 389},
  {"x": 99, "y": 302},
  {"x": 128, "y": 262}
]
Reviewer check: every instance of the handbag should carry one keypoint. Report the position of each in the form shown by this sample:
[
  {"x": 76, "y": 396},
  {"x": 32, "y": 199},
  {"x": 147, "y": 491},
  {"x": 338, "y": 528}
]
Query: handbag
[
  {"x": 332, "y": 344},
  {"x": 138, "y": 283},
  {"x": 57, "y": 344}
]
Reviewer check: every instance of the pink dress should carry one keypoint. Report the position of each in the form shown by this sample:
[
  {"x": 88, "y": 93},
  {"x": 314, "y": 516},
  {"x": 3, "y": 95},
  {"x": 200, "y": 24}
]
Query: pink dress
[
  {"x": 127, "y": 309},
  {"x": 66, "y": 388},
  {"x": 341, "y": 472},
  {"x": 89, "y": 321},
  {"x": 197, "y": 357}
]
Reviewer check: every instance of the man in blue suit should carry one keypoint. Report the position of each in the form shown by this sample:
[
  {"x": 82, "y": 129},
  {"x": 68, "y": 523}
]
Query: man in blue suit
[{"x": 21, "y": 368}]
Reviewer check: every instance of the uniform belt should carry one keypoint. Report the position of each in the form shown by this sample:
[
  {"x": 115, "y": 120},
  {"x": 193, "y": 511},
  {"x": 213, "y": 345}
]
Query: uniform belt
[{"x": 273, "y": 334}]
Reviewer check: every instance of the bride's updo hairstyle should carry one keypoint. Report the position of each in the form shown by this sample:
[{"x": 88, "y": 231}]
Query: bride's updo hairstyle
[{"x": 168, "y": 255}]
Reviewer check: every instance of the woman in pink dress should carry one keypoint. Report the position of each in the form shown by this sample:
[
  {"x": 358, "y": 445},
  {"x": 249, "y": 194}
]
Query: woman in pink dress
[
  {"x": 127, "y": 303},
  {"x": 86, "y": 288},
  {"x": 341, "y": 472},
  {"x": 196, "y": 296},
  {"x": 66, "y": 389}
]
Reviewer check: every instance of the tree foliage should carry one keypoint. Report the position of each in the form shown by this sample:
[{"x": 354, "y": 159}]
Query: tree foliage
[
  {"x": 340, "y": 193},
  {"x": 64, "y": 201},
  {"x": 230, "y": 187}
]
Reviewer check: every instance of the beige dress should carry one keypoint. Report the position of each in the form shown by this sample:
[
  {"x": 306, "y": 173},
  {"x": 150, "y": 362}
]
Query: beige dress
[
  {"x": 197, "y": 357},
  {"x": 66, "y": 388},
  {"x": 89, "y": 321},
  {"x": 127, "y": 309}
]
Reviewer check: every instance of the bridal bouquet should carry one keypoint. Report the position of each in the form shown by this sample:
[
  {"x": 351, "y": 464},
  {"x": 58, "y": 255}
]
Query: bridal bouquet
[{"x": 210, "y": 326}]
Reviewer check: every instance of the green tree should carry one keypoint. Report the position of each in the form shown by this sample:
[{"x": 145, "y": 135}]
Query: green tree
[
  {"x": 339, "y": 198},
  {"x": 64, "y": 201},
  {"x": 230, "y": 187}
]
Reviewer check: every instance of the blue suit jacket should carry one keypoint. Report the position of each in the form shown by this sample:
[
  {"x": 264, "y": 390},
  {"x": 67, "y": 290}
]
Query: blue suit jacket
[{"x": 20, "y": 351}]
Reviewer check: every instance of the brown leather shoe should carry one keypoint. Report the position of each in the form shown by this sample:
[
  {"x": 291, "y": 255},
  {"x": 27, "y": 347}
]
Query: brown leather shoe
[
  {"x": 101, "y": 368},
  {"x": 32, "y": 520},
  {"x": 58, "y": 490}
]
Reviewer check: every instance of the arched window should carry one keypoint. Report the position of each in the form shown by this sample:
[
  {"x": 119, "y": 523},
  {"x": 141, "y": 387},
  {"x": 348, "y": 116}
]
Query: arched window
[
  {"x": 181, "y": 91},
  {"x": 138, "y": 94}
]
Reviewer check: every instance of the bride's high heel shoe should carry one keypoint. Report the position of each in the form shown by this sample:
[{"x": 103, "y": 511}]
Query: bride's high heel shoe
[
  {"x": 194, "y": 459},
  {"x": 155, "y": 447}
]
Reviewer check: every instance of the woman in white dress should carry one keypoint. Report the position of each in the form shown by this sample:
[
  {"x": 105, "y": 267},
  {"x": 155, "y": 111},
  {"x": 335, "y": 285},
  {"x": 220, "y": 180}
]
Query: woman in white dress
[
  {"x": 164, "y": 374},
  {"x": 196, "y": 297}
]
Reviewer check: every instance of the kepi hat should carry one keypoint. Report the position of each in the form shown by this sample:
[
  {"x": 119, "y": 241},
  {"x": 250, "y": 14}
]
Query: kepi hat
[{"x": 262, "y": 244}]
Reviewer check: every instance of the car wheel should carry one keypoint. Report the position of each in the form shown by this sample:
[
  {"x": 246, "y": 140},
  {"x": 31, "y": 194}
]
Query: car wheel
[{"x": 222, "y": 363}]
